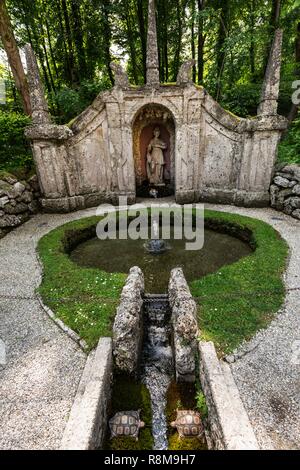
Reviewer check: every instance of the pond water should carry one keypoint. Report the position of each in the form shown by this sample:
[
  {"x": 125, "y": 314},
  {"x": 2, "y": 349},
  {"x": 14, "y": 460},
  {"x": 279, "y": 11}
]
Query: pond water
[{"x": 120, "y": 255}]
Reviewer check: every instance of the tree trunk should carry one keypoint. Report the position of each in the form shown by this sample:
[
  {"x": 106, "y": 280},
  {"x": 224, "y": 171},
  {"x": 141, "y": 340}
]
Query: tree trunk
[
  {"x": 193, "y": 46},
  {"x": 131, "y": 43},
  {"x": 67, "y": 66},
  {"x": 252, "y": 42},
  {"x": 180, "y": 10},
  {"x": 51, "y": 49},
  {"x": 143, "y": 36},
  {"x": 78, "y": 37},
  {"x": 295, "y": 107},
  {"x": 13, "y": 55},
  {"x": 201, "y": 40},
  {"x": 107, "y": 32},
  {"x": 73, "y": 71},
  {"x": 221, "y": 53}
]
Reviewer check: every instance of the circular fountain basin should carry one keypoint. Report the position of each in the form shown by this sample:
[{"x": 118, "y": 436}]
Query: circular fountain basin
[{"x": 120, "y": 255}]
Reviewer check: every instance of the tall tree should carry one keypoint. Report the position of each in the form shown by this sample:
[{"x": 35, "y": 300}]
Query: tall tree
[
  {"x": 13, "y": 55},
  {"x": 295, "y": 107},
  {"x": 201, "y": 40}
]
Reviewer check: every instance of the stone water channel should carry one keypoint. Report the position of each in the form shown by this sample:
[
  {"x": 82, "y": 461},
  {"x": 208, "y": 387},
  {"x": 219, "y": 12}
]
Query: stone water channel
[{"x": 157, "y": 368}]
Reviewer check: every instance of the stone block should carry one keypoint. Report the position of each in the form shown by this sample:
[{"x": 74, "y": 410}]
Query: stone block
[
  {"x": 87, "y": 423},
  {"x": 283, "y": 182},
  {"x": 11, "y": 221},
  {"x": 296, "y": 189},
  {"x": 3, "y": 201},
  {"x": 128, "y": 324},
  {"x": 229, "y": 425},
  {"x": 17, "y": 208},
  {"x": 296, "y": 214}
]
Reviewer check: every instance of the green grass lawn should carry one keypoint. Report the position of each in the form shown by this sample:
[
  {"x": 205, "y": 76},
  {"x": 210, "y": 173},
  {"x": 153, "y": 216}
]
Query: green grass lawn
[{"x": 234, "y": 302}]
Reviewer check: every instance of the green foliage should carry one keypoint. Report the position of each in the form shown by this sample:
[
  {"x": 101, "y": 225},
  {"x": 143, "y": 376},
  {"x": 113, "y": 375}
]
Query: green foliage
[
  {"x": 201, "y": 403},
  {"x": 289, "y": 148},
  {"x": 15, "y": 153},
  {"x": 68, "y": 102},
  {"x": 131, "y": 395},
  {"x": 242, "y": 99}
]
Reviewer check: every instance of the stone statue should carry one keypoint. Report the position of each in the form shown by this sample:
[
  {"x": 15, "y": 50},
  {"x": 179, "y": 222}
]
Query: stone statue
[
  {"x": 184, "y": 74},
  {"x": 121, "y": 78},
  {"x": 155, "y": 159}
]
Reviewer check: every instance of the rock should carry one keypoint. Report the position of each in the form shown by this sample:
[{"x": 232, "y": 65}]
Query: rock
[
  {"x": 3, "y": 201},
  {"x": 185, "y": 326},
  {"x": 19, "y": 188},
  {"x": 17, "y": 208},
  {"x": 294, "y": 170},
  {"x": 6, "y": 189},
  {"x": 33, "y": 181},
  {"x": 293, "y": 202},
  {"x": 128, "y": 324},
  {"x": 26, "y": 197},
  {"x": 10, "y": 221},
  {"x": 10, "y": 179},
  {"x": 285, "y": 175},
  {"x": 296, "y": 190},
  {"x": 1, "y": 213},
  {"x": 296, "y": 214},
  {"x": 283, "y": 182},
  {"x": 33, "y": 207}
]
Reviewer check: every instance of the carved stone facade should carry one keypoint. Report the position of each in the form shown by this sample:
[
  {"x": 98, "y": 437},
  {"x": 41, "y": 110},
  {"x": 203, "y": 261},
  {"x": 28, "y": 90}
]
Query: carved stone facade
[{"x": 213, "y": 155}]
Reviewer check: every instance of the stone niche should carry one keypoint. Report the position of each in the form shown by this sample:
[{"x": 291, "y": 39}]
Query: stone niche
[{"x": 147, "y": 120}]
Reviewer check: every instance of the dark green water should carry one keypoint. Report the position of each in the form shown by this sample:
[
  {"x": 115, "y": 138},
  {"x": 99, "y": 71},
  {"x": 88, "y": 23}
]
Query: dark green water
[{"x": 120, "y": 255}]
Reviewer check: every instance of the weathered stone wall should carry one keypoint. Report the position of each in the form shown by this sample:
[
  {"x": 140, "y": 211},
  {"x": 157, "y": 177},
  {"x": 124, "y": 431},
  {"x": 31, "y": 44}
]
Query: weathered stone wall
[
  {"x": 217, "y": 157},
  {"x": 229, "y": 425},
  {"x": 285, "y": 190},
  {"x": 87, "y": 423},
  {"x": 185, "y": 328},
  {"x": 18, "y": 200},
  {"x": 128, "y": 325}
]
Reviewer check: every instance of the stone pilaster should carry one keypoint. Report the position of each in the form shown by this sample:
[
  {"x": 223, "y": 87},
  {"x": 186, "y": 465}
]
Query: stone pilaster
[
  {"x": 152, "y": 49},
  {"x": 40, "y": 112},
  {"x": 270, "y": 90}
]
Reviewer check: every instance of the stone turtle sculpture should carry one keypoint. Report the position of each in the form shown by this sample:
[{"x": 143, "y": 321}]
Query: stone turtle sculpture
[
  {"x": 126, "y": 423},
  {"x": 188, "y": 424}
]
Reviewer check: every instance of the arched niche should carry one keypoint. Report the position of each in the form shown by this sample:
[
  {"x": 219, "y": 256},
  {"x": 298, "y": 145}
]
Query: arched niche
[{"x": 146, "y": 120}]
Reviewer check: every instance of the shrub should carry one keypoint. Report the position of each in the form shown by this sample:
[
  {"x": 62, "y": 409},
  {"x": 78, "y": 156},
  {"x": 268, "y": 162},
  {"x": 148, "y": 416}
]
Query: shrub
[
  {"x": 15, "y": 152},
  {"x": 289, "y": 148}
]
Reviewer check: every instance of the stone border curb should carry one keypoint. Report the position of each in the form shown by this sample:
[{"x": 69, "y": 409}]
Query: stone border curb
[
  {"x": 86, "y": 427},
  {"x": 71, "y": 333},
  {"x": 229, "y": 424},
  {"x": 66, "y": 329}
]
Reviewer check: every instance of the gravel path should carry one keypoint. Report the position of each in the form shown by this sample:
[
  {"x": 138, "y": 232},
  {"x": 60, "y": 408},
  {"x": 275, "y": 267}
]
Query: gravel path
[
  {"x": 267, "y": 368},
  {"x": 44, "y": 366}
]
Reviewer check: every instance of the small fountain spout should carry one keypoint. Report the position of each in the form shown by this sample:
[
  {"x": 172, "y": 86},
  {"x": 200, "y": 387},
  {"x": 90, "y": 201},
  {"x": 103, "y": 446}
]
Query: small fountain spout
[{"x": 156, "y": 246}]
